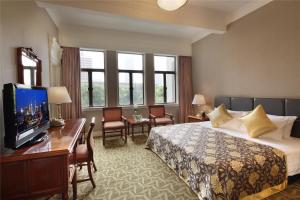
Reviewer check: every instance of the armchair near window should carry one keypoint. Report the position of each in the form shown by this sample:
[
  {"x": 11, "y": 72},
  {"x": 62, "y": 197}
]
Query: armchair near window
[
  {"x": 158, "y": 115},
  {"x": 113, "y": 121}
]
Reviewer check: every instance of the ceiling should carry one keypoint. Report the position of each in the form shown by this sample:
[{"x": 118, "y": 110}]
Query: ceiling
[
  {"x": 227, "y": 6},
  {"x": 197, "y": 19}
]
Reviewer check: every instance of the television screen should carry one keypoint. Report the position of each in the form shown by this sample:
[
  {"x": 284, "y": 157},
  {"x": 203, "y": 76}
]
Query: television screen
[{"x": 31, "y": 109}]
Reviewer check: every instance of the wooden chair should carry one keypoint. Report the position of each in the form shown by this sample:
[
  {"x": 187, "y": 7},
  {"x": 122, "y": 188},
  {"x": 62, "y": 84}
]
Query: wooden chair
[
  {"x": 84, "y": 155},
  {"x": 113, "y": 121},
  {"x": 158, "y": 115}
]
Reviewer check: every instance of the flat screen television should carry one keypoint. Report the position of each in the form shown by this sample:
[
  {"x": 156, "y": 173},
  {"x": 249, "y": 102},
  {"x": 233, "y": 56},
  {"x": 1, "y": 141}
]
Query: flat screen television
[{"x": 26, "y": 113}]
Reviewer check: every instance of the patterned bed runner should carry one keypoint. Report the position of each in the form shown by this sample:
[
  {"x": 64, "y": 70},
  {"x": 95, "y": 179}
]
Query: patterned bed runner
[{"x": 219, "y": 166}]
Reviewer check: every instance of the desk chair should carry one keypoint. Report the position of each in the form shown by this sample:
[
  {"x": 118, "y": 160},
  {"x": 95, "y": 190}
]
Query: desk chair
[{"x": 85, "y": 156}]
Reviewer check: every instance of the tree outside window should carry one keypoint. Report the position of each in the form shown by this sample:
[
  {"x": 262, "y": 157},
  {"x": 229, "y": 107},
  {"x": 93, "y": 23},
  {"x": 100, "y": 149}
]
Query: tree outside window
[
  {"x": 131, "y": 78},
  {"x": 165, "y": 79},
  {"x": 92, "y": 78}
]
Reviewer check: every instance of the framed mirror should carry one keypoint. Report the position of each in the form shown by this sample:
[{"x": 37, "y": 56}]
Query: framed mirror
[{"x": 29, "y": 67}]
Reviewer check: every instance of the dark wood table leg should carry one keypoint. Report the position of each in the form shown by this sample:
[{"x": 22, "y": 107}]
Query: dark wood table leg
[
  {"x": 143, "y": 128},
  {"x": 128, "y": 127},
  {"x": 132, "y": 130},
  {"x": 149, "y": 128}
]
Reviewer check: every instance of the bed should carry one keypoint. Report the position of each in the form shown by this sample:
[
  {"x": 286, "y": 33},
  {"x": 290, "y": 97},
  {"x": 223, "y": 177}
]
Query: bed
[{"x": 224, "y": 164}]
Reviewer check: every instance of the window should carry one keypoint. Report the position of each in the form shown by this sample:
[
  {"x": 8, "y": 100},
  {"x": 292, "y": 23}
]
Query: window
[
  {"x": 165, "y": 79},
  {"x": 131, "y": 78},
  {"x": 92, "y": 78}
]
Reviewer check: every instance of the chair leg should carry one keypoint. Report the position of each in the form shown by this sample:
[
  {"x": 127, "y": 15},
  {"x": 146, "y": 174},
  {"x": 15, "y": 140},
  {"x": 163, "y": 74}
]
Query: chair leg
[
  {"x": 90, "y": 174},
  {"x": 74, "y": 185},
  {"x": 94, "y": 165}
]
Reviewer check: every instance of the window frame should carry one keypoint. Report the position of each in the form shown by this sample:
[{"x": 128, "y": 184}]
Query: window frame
[
  {"x": 131, "y": 72},
  {"x": 164, "y": 73},
  {"x": 90, "y": 79}
]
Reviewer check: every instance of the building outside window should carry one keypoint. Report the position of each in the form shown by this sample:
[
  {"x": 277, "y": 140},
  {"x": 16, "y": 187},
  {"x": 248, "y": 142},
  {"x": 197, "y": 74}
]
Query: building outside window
[
  {"x": 165, "y": 79},
  {"x": 92, "y": 78},
  {"x": 131, "y": 78}
]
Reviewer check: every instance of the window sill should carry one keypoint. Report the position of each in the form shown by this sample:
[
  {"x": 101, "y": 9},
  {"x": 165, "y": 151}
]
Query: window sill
[{"x": 91, "y": 109}]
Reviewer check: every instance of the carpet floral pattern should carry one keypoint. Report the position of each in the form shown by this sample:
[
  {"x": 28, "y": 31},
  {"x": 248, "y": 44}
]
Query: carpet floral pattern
[{"x": 130, "y": 172}]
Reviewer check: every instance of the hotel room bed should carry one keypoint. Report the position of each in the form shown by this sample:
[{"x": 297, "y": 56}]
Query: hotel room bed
[{"x": 224, "y": 164}]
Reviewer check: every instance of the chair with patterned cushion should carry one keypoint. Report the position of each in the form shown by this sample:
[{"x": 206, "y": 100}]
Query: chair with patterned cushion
[
  {"x": 113, "y": 121},
  {"x": 85, "y": 156},
  {"x": 158, "y": 115}
]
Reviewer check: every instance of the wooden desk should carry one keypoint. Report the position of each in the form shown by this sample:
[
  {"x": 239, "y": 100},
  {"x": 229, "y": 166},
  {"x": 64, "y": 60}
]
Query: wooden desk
[{"x": 42, "y": 169}]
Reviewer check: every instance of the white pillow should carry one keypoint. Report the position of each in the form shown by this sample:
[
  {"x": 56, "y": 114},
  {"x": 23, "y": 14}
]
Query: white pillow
[
  {"x": 284, "y": 126},
  {"x": 235, "y": 123},
  {"x": 289, "y": 126},
  {"x": 237, "y": 113}
]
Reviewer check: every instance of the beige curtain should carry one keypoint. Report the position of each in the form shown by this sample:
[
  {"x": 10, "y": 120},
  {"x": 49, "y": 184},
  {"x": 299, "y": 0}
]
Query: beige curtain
[
  {"x": 185, "y": 87},
  {"x": 71, "y": 79}
]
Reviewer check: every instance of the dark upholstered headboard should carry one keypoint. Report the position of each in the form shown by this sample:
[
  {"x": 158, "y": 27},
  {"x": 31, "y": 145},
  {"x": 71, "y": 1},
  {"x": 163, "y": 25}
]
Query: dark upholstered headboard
[{"x": 273, "y": 106}]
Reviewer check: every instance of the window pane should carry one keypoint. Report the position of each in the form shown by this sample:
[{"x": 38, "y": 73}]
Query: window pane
[
  {"x": 164, "y": 63},
  {"x": 138, "y": 88},
  {"x": 124, "y": 97},
  {"x": 170, "y": 83},
  {"x": 98, "y": 89},
  {"x": 159, "y": 88},
  {"x": 28, "y": 62},
  {"x": 91, "y": 59},
  {"x": 130, "y": 61},
  {"x": 84, "y": 89},
  {"x": 27, "y": 77}
]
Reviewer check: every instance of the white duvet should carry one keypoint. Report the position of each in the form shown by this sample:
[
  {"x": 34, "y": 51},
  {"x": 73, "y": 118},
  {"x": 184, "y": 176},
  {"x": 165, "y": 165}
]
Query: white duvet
[{"x": 290, "y": 146}]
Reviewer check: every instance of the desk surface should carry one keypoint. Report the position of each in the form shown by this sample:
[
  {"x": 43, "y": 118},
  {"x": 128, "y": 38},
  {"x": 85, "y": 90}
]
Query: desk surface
[{"x": 60, "y": 141}]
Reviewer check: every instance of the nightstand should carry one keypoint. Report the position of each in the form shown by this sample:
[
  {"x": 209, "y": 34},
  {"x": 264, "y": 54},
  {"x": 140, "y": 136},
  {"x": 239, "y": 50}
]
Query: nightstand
[{"x": 193, "y": 118}]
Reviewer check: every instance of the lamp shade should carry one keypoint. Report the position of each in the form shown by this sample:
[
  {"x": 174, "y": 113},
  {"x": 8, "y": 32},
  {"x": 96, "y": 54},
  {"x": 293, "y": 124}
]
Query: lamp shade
[
  {"x": 170, "y": 5},
  {"x": 58, "y": 95},
  {"x": 199, "y": 100}
]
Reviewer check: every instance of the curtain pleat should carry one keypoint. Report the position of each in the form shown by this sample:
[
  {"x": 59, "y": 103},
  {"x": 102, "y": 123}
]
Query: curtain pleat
[
  {"x": 71, "y": 80},
  {"x": 185, "y": 87}
]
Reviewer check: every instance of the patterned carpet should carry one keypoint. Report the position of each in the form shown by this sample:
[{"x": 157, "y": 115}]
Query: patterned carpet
[{"x": 129, "y": 172}]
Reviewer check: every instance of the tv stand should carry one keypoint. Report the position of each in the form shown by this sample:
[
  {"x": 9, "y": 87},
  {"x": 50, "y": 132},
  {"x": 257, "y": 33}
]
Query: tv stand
[{"x": 37, "y": 139}]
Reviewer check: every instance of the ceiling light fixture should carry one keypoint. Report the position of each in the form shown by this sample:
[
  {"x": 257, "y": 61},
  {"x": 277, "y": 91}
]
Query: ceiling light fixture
[{"x": 170, "y": 5}]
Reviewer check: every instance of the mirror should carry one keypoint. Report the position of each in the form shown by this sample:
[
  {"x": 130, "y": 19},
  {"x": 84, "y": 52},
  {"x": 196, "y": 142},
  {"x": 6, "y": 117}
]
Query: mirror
[{"x": 29, "y": 67}]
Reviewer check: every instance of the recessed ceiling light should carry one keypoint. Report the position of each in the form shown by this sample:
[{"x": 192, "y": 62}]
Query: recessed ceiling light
[{"x": 170, "y": 5}]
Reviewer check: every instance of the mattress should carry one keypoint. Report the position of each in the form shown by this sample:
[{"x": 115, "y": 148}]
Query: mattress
[{"x": 291, "y": 147}]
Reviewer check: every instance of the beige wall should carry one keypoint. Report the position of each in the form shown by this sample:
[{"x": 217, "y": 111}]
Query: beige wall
[
  {"x": 258, "y": 56},
  {"x": 23, "y": 24}
]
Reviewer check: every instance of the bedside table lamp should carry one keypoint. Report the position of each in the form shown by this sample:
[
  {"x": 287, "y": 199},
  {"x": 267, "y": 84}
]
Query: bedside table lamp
[
  {"x": 199, "y": 101},
  {"x": 58, "y": 96}
]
